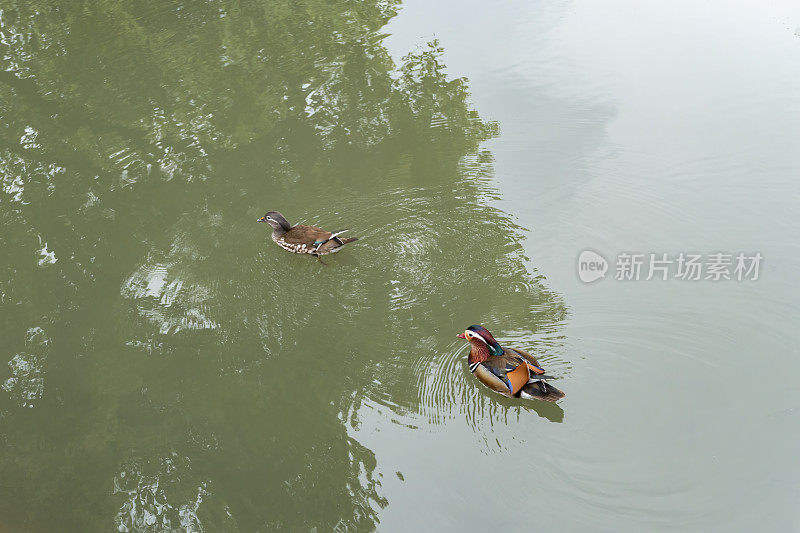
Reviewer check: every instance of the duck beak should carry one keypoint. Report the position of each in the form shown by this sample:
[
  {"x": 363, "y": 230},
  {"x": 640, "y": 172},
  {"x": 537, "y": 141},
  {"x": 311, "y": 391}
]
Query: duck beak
[
  {"x": 262, "y": 219},
  {"x": 461, "y": 336}
]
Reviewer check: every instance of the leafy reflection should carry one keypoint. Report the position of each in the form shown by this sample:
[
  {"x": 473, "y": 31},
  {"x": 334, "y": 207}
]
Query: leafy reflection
[
  {"x": 148, "y": 506},
  {"x": 196, "y": 377},
  {"x": 26, "y": 384}
]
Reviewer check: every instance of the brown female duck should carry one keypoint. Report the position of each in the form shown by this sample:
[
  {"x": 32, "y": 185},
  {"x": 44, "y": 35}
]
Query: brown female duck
[
  {"x": 302, "y": 239},
  {"x": 509, "y": 371}
]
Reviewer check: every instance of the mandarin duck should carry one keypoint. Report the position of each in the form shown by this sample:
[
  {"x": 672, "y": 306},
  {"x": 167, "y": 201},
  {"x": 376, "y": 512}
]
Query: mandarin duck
[
  {"x": 509, "y": 371},
  {"x": 302, "y": 239}
]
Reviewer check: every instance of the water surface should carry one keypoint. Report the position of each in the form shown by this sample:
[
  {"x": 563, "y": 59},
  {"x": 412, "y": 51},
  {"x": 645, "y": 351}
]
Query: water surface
[{"x": 169, "y": 368}]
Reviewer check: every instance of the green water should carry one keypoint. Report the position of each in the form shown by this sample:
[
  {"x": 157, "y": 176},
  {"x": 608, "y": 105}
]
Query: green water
[{"x": 170, "y": 369}]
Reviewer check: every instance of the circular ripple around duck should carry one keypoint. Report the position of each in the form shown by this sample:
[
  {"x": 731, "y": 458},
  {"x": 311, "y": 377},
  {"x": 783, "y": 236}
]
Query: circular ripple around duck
[{"x": 440, "y": 383}]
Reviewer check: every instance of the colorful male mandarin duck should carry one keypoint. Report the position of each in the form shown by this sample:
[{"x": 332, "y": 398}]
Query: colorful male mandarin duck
[
  {"x": 304, "y": 239},
  {"x": 509, "y": 371}
]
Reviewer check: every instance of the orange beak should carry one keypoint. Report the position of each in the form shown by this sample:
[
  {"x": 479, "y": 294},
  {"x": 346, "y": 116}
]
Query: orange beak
[
  {"x": 262, "y": 219},
  {"x": 461, "y": 336}
]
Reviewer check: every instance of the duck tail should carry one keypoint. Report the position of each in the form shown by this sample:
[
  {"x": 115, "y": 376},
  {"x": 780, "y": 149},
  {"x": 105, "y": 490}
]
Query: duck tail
[
  {"x": 345, "y": 241},
  {"x": 540, "y": 390}
]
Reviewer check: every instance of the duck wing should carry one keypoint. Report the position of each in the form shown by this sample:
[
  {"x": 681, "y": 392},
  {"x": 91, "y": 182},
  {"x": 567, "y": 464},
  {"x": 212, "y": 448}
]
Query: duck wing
[
  {"x": 333, "y": 242},
  {"x": 537, "y": 387},
  {"x": 305, "y": 235},
  {"x": 506, "y": 373},
  {"x": 531, "y": 361}
]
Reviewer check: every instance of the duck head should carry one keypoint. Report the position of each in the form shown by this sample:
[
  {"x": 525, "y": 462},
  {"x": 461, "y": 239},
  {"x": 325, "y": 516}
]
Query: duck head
[
  {"x": 276, "y": 220},
  {"x": 478, "y": 336}
]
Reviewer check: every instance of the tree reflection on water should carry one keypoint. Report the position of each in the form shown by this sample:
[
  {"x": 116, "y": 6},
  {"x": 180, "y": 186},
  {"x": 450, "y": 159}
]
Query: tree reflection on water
[{"x": 166, "y": 368}]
